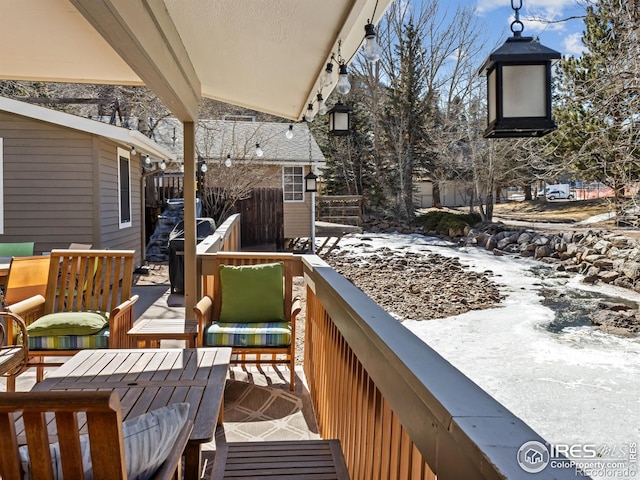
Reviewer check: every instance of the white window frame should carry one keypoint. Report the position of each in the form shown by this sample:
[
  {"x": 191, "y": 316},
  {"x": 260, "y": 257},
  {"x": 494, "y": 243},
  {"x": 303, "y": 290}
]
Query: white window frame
[
  {"x": 294, "y": 194},
  {"x": 124, "y": 155}
]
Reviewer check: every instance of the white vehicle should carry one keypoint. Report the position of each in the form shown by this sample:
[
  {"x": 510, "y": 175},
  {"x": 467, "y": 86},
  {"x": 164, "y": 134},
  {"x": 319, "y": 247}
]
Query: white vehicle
[{"x": 558, "y": 192}]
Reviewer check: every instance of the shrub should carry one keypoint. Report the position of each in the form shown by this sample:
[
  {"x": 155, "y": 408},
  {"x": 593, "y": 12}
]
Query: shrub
[{"x": 442, "y": 222}]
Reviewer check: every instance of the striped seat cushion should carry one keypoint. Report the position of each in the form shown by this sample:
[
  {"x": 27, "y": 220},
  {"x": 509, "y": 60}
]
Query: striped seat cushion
[
  {"x": 71, "y": 342},
  {"x": 271, "y": 334}
]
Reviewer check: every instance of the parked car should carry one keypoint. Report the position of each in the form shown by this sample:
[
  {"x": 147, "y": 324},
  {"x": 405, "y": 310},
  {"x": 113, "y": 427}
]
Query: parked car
[{"x": 559, "y": 195}]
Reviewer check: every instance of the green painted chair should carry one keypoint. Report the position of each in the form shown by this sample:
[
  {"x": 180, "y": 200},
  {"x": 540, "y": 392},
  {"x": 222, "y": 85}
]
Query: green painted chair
[{"x": 19, "y": 249}]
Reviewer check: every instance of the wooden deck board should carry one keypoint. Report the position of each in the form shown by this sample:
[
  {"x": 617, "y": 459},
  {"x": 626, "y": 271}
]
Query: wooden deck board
[{"x": 300, "y": 459}]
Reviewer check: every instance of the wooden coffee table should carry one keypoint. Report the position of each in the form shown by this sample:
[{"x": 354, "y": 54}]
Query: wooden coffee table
[
  {"x": 147, "y": 379},
  {"x": 151, "y": 330}
]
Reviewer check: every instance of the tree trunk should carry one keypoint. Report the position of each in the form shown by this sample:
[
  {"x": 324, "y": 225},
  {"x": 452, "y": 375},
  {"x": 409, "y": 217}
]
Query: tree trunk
[
  {"x": 527, "y": 191},
  {"x": 619, "y": 201},
  {"x": 437, "y": 203}
]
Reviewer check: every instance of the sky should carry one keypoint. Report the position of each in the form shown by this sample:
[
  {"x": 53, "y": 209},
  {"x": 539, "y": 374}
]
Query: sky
[
  {"x": 577, "y": 386},
  {"x": 563, "y": 36}
]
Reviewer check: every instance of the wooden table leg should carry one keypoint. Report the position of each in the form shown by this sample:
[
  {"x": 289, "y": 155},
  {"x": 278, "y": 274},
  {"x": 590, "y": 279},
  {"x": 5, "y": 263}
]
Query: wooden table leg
[{"x": 192, "y": 461}]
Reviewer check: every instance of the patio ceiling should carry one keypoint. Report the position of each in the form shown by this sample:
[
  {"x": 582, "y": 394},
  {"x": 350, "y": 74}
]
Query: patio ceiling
[{"x": 266, "y": 56}]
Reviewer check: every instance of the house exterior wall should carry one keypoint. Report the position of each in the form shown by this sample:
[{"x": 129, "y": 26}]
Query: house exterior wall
[
  {"x": 452, "y": 194},
  {"x": 297, "y": 218},
  {"x": 108, "y": 219},
  {"x": 56, "y": 194}
]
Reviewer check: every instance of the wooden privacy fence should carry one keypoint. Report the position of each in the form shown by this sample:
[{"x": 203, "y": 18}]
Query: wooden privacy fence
[
  {"x": 262, "y": 218},
  {"x": 345, "y": 209},
  {"x": 161, "y": 187}
]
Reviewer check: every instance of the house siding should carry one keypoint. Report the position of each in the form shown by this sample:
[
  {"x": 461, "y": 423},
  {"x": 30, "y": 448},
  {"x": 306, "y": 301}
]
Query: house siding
[
  {"x": 297, "y": 218},
  {"x": 56, "y": 194},
  {"x": 111, "y": 235}
]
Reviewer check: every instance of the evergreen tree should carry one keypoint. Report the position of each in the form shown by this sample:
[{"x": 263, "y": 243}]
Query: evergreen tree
[
  {"x": 405, "y": 118},
  {"x": 598, "y": 103}
]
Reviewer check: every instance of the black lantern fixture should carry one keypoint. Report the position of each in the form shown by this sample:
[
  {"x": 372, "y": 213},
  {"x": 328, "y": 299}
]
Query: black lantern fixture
[
  {"x": 519, "y": 85},
  {"x": 339, "y": 121},
  {"x": 310, "y": 182}
]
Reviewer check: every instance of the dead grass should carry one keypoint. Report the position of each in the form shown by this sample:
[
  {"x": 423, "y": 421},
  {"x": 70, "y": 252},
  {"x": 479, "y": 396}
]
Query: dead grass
[{"x": 552, "y": 212}]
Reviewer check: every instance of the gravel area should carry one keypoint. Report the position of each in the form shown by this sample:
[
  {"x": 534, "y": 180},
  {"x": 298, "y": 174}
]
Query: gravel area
[{"x": 407, "y": 285}]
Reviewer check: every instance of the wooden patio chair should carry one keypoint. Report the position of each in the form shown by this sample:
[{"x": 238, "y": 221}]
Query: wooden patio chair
[
  {"x": 27, "y": 277},
  {"x": 16, "y": 249},
  {"x": 69, "y": 318},
  {"x": 251, "y": 308},
  {"x": 117, "y": 449}
]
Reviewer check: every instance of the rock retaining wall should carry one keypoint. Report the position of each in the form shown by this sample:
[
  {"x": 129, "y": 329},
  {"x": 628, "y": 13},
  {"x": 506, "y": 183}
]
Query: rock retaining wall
[{"x": 598, "y": 255}]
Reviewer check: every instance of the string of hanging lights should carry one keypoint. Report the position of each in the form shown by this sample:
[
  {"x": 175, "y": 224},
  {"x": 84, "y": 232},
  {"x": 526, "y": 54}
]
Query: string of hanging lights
[{"x": 371, "y": 51}]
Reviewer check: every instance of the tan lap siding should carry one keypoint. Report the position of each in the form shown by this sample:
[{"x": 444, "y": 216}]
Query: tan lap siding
[
  {"x": 297, "y": 218},
  {"x": 47, "y": 183},
  {"x": 111, "y": 235}
]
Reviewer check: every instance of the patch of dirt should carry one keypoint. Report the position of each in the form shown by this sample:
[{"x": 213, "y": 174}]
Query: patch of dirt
[{"x": 157, "y": 274}]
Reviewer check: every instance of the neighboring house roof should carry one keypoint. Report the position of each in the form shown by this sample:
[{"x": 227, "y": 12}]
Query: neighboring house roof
[
  {"x": 215, "y": 139},
  {"x": 125, "y": 137}
]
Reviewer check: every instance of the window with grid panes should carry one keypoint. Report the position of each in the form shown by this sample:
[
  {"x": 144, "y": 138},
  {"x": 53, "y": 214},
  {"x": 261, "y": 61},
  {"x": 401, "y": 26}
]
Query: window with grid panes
[{"x": 293, "y": 184}]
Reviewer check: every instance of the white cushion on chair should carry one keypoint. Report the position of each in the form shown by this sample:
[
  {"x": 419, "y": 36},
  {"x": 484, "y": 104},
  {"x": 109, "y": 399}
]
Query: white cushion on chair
[{"x": 148, "y": 440}]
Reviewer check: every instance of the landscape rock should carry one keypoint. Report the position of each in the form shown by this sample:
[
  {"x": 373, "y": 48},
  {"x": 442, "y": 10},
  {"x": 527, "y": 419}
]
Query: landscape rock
[
  {"x": 411, "y": 286},
  {"x": 598, "y": 255}
]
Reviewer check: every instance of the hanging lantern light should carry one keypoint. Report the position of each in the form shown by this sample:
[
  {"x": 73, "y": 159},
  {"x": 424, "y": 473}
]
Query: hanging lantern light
[
  {"x": 339, "y": 121},
  {"x": 259, "y": 151},
  {"x": 310, "y": 182},
  {"x": 519, "y": 86},
  {"x": 289, "y": 132},
  {"x": 227, "y": 162}
]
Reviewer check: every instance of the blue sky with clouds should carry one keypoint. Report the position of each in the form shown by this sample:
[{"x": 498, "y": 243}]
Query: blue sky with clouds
[{"x": 563, "y": 36}]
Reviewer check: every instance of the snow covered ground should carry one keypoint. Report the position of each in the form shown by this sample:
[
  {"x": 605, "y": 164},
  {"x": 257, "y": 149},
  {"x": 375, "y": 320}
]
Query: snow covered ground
[{"x": 578, "y": 386}]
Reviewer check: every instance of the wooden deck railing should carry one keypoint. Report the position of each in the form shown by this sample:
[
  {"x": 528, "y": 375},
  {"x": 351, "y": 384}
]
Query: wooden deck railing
[
  {"x": 400, "y": 410},
  {"x": 226, "y": 238}
]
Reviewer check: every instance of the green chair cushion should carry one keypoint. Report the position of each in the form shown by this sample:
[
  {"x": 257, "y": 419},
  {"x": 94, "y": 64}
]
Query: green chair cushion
[
  {"x": 68, "y": 323},
  {"x": 252, "y": 293}
]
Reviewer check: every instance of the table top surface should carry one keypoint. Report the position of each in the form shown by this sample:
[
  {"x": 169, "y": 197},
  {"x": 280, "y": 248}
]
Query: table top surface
[{"x": 147, "y": 379}]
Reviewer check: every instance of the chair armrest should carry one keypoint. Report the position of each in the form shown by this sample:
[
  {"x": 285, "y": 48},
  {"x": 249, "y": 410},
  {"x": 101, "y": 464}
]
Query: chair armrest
[
  {"x": 172, "y": 463},
  {"x": 121, "y": 321},
  {"x": 296, "y": 307},
  {"x": 203, "y": 311},
  {"x": 16, "y": 343},
  {"x": 22, "y": 330},
  {"x": 29, "y": 310}
]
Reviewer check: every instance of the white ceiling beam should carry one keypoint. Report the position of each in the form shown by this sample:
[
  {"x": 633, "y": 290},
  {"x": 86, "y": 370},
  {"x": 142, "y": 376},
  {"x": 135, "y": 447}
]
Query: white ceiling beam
[{"x": 144, "y": 36}]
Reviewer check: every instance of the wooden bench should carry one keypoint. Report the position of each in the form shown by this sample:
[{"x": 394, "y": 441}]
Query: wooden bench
[
  {"x": 100, "y": 410},
  {"x": 299, "y": 459}
]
